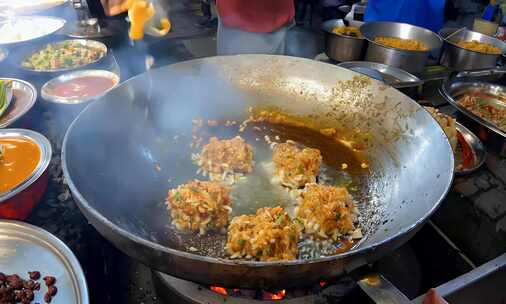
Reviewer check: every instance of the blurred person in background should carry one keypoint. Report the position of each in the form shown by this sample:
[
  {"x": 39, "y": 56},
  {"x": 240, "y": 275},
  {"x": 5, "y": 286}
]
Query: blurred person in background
[
  {"x": 330, "y": 9},
  {"x": 257, "y": 26},
  {"x": 424, "y": 13},
  {"x": 207, "y": 20},
  {"x": 145, "y": 16}
]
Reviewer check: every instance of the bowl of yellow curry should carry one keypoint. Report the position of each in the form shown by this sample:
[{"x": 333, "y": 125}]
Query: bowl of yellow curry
[
  {"x": 467, "y": 50},
  {"x": 24, "y": 160},
  {"x": 400, "y": 45}
]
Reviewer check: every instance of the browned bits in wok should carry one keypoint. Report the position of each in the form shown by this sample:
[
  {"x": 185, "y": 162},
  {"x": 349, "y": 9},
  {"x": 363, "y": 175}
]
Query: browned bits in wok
[
  {"x": 269, "y": 235},
  {"x": 34, "y": 275},
  {"x": 295, "y": 167},
  {"x": 199, "y": 206},
  {"x": 326, "y": 212},
  {"x": 227, "y": 155}
]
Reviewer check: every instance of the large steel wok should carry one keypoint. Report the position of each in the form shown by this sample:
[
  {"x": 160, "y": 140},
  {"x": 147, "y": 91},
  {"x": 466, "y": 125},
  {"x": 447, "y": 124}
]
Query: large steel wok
[{"x": 124, "y": 151}]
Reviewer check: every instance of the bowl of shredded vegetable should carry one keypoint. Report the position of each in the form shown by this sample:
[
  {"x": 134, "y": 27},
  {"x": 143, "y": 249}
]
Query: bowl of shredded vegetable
[
  {"x": 64, "y": 55},
  {"x": 5, "y": 96}
]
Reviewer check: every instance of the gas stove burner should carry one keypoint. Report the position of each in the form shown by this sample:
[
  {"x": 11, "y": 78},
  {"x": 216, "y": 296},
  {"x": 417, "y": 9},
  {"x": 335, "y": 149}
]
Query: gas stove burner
[{"x": 174, "y": 290}]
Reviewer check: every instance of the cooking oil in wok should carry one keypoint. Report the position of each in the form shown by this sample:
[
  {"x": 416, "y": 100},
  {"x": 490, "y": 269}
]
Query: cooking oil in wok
[{"x": 341, "y": 166}]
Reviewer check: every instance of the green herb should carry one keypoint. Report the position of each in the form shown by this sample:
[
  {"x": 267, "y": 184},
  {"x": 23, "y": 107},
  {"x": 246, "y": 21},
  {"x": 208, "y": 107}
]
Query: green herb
[
  {"x": 269, "y": 251},
  {"x": 293, "y": 237},
  {"x": 177, "y": 196},
  {"x": 279, "y": 219},
  {"x": 341, "y": 182},
  {"x": 353, "y": 188},
  {"x": 194, "y": 189},
  {"x": 338, "y": 216},
  {"x": 300, "y": 223},
  {"x": 242, "y": 243},
  {"x": 482, "y": 102},
  {"x": 300, "y": 169},
  {"x": 3, "y": 97}
]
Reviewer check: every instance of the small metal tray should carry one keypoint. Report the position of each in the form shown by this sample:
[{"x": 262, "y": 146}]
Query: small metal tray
[
  {"x": 453, "y": 91},
  {"x": 50, "y": 25},
  {"x": 24, "y": 248},
  {"x": 83, "y": 42},
  {"x": 48, "y": 96},
  {"x": 392, "y": 76},
  {"x": 23, "y": 99},
  {"x": 470, "y": 154}
]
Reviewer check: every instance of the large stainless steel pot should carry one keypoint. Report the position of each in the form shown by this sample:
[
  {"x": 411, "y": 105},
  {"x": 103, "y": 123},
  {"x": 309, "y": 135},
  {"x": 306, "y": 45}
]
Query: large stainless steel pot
[
  {"x": 461, "y": 59},
  {"x": 411, "y": 61},
  {"x": 126, "y": 149},
  {"x": 340, "y": 47}
]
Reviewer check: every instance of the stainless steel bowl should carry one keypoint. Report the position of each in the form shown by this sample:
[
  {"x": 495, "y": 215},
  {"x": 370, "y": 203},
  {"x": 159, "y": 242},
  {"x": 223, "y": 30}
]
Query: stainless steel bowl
[
  {"x": 65, "y": 110},
  {"x": 19, "y": 202},
  {"x": 50, "y": 96},
  {"x": 84, "y": 42},
  {"x": 411, "y": 61},
  {"x": 478, "y": 150},
  {"x": 461, "y": 59},
  {"x": 24, "y": 96},
  {"x": 341, "y": 47},
  {"x": 33, "y": 28},
  {"x": 45, "y": 157},
  {"x": 26, "y": 247},
  {"x": 493, "y": 137}
]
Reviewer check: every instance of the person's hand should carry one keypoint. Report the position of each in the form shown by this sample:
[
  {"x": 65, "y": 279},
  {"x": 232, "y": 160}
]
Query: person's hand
[
  {"x": 115, "y": 7},
  {"x": 433, "y": 298},
  {"x": 139, "y": 12}
]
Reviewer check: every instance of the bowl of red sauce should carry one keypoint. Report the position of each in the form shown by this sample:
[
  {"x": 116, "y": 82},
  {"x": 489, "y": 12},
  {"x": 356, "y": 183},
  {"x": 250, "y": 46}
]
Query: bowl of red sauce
[
  {"x": 79, "y": 86},
  {"x": 24, "y": 160}
]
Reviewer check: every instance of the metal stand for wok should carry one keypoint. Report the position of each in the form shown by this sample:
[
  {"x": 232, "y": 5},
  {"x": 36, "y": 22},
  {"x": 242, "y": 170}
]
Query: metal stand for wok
[
  {"x": 478, "y": 282},
  {"x": 379, "y": 289}
]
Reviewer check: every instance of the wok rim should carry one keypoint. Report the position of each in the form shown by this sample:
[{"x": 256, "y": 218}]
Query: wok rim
[{"x": 83, "y": 203}]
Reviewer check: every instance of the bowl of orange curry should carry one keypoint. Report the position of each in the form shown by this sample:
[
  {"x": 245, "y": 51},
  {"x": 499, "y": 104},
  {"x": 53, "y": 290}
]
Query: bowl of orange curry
[{"x": 24, "y": 160}]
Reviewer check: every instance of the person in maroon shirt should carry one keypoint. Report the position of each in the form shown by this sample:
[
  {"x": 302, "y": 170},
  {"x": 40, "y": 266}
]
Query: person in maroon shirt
[{"x": 253, "y": 26}]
